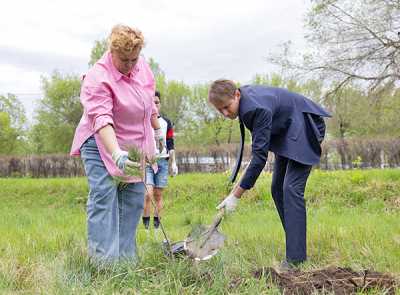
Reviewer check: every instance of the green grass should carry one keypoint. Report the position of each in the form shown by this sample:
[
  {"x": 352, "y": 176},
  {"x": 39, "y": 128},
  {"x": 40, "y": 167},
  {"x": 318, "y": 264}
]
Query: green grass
[{"x": 353, "y": 220}]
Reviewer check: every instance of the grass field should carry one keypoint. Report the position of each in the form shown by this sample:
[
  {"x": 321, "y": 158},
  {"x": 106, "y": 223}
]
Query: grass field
[{"x": 353, "y": 220}]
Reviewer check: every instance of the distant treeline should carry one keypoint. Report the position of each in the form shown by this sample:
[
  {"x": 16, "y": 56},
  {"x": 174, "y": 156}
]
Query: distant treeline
[{"x": 336, "y": 154}]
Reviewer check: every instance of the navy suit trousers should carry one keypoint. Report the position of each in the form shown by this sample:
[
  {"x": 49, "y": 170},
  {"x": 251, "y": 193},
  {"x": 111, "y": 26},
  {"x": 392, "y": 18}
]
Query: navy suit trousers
[{"x": 289, "y": 180}]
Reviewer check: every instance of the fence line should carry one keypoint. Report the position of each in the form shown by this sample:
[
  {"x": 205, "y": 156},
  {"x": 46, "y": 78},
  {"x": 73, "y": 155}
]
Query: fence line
[{"x": 336, "y": 154}]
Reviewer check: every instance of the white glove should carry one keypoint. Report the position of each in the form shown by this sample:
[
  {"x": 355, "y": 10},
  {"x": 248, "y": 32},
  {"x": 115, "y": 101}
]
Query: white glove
[
  {"x": 229, "y": 203},
  {"x": 159, "y": 138},
  {"x": 129, "y": 167},
  {"x": 174, "y": 169}
]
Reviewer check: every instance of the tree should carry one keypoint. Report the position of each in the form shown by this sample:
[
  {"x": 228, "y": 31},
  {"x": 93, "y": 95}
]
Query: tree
[
  {"x": 351, "y": 41},
  {"x": 173, "y": 95},
  {"x": 99, "y": 48},
  {"x": 311, "y": 88},
  {"x": 203, "y": 125},
  {"x": 8, "y": 135},
  {"x": 12, "y": 125},
  {"x": 11, "y": 105},
  {"x": 155, "y": 68},
  {"x": 58, "y": 114},
  {"x": 377, "y": 117}
]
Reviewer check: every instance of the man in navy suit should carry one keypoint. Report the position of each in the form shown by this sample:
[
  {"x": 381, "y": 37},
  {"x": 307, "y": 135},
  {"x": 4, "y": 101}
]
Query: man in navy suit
[{"x": 292, "y": 127}]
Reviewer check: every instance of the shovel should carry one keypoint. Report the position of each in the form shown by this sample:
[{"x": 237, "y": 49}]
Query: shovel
[{"x": 205, "y": 245}]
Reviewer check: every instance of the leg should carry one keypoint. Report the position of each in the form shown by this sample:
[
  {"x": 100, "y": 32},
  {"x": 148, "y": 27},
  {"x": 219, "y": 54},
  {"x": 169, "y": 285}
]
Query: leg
[
  {"x": 102, "y": 206},
  {"x": 130, "y": 207},
  {"x": 148, "y": 197},
  {"x": 147, "y": 202},
  {"x": 278, "y": 177},
  {"x": 159, "y": 201},
  {"x": 295, "y": 211},
  {"x": 160, "y": 181},
  {"x": 159, "y": 205}
]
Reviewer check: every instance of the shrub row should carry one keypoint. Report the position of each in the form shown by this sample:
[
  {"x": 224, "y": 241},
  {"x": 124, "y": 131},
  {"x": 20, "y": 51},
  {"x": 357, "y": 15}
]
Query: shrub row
[{"x": 336, "y": 154}]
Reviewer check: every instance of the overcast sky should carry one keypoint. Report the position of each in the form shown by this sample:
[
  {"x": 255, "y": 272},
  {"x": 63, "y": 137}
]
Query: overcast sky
[{"x": 193, "y": 41}]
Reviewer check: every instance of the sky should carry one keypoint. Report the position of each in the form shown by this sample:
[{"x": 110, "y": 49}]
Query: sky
[{"x": 193, "y": 41}]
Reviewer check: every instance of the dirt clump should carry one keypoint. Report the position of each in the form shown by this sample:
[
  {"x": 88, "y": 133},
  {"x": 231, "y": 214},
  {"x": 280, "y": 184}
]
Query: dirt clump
[{"x": 336, "y": 280}]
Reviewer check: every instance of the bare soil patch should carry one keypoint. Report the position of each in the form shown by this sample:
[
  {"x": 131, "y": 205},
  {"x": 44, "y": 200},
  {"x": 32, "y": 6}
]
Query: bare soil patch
[{"x": 336, "y": 280}]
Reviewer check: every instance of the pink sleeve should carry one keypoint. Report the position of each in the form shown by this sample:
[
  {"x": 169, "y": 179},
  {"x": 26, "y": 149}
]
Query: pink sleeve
[
  {"x": 98, "y": 104},
  {"x": 150, "y": 83}
]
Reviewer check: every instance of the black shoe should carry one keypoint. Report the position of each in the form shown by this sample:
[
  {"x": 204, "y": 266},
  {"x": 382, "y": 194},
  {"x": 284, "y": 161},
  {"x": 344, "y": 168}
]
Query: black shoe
[
  {"x": 146, "y": 221},
  {"x": 156, "y": 222}
]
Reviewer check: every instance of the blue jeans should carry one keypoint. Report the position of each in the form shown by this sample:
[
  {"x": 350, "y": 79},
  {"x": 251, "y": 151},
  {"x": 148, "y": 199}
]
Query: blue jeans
[
  {"x": 159, "y": 179},
  {"x": 112, "y": 214}
]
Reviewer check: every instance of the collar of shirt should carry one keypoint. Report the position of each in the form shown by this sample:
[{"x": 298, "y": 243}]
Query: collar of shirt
[{"x": 117, "y": 74}]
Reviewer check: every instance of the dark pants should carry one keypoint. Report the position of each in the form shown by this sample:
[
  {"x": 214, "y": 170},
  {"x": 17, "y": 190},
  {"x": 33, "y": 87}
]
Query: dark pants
[{"x": 288, "y": 184}]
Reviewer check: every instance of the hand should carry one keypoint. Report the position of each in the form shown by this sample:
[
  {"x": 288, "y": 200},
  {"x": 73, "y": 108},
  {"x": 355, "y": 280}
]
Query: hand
[
  {"x": 174, "y": 169},
  {"x": 229, "y": 203},
  {"x": 129, "y": 167},
  {"x": 159, "y": 138}
]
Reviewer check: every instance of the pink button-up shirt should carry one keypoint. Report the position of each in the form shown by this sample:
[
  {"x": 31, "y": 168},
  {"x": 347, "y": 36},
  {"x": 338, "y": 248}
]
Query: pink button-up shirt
[{"x": 125, "y": 102}]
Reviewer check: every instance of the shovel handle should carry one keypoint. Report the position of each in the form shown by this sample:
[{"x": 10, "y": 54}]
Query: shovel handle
[
  {"x": 213, "y": 226},
  {"x": 221, "y": 213}
]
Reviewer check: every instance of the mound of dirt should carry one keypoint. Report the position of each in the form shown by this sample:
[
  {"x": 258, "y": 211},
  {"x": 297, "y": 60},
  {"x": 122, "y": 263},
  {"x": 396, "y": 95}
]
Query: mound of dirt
[{"x": 336, "y": 280}]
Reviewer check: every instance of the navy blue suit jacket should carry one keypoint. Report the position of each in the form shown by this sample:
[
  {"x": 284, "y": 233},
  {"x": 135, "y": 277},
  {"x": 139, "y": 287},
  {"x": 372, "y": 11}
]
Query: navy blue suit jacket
[{"x": 286, "y": 123}]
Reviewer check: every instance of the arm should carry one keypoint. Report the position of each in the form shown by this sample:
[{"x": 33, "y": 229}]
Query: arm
[
  {"x": 98, "y": 104},
  {"x": 154, "y": 122},
  {"x": 109, "y": 139},
  {"x": 238, "y": 191},
  {"x": 260, "y": 122},
  {"x": 172, "y": 156},
  {"x": 171, "y": 147}
]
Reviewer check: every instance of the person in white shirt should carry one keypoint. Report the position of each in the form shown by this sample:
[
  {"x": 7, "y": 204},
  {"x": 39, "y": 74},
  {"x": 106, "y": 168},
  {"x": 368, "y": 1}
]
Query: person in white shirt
[{"x": 157, "y": 180}]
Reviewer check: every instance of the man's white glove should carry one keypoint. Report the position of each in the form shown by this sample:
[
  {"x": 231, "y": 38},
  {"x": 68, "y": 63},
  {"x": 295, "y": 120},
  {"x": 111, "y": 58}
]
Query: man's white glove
[
  {"x": 229, "y": 203},
  {"x": 159, "y": 138},
  {"x": 129, "y": 167},
  {"x": 174, "y": 169}
]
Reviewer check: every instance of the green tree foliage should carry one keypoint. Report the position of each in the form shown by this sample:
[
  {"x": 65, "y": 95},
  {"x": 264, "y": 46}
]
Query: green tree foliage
[
  {"x": 356, "y": 112},
  {"x": 346, "y": 106},
  {"x": 311, "y": 88},
  {"x": 203, "y": 124},
  {"x": 376, "y": 115},
  {"x": 99, "y": 48},
  {"x": 8, "y": 135},
  {"x": 58, "y": 114},
  {"x": 195, "y": 122},
  {"x": 12, "y": 125},
  {"x": 173, "y": 96},
  {"x": 155, "y": 68},
  {"x": 10, "y": 104}
]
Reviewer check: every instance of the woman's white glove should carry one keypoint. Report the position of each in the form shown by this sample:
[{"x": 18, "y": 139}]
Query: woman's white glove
[
  {"x": 129, "y": 167},
  {"x": 174, "y": 169},
  {"x": 229, "y": 203},
  {"x": 159, "y": 138}
]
